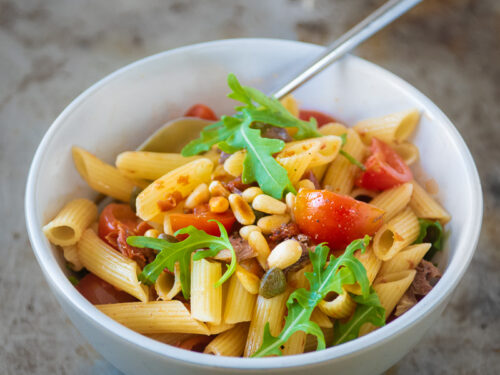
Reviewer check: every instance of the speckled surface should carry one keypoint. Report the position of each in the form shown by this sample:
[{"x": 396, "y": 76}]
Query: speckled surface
[{"x": 51, "y": 50}]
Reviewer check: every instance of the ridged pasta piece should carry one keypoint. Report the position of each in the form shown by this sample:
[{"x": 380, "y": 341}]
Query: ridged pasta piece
[
  {"x": 295, "y": 344},
  {"x": 394, "y": 200},
  {"x": 406, "y": 259},
  {"x": 206, "y": 301},
  {"x": 390, "y": 288},
  {"x": 321, "y": 319},
  {"x": 103, "y": 177},
  {"x": 67, "y": 227},
  {"x": 230, "y": 343},
  {"x": 267, "y": 310},
  {"x": 167, "y": 226},
  {"x": 339, "y": 176},
  {"x": 408, "y": 152},
  {"x": 342, "y": 306},
  {"x": 358, "y": 193},
  {"x": 70, "y": 253},
  {"x": 395, "y": 127},
  {"x": 312, "y": 341},
  {"x": 296, "y": 163},
  {"x": 394, "y": 236},
  {"x": 178, "y": 183},
  {"x": 298, "y": 279},
  {"x": 239, "y": 303},
  {"x": 170, "y": 338},
  {"x": 110, "y": 265},
  {"x": 425, "y": 206},
  {"x": 324, "y": 149},
  {"x": 215, "y": 329},
  {"x": 290, "y": 103},
  {"x": 149, "y": 165},
  {"x": 154, "y": 317},
  {"x": 372, "y": 265},
  {"x": 168, "y": 285}
]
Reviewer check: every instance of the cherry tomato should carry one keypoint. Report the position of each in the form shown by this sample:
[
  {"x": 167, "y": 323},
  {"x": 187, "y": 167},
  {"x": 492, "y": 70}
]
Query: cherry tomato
[
  {"x": 321, "y": 118},
  {"x": 98, "y": 291},
  {"x": 202, "y": 111},
  {"x": 334, "y": 218},
  {"x": 385, "y": 169},
  {"x": 200, "y": 219},
  {"x": 112, "y": 215}
]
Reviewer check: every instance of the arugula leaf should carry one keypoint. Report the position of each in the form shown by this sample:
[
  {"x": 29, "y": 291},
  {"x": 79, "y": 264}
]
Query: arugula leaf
[
  {"x": 430, "y": 232},
  {"x": 173, "y": 252},
  {"x": 348, "y": 156},
  {"x": 368, "y": 310},
  {"x": 234, "y": 133},
  {"x": 346, "y": 269}
]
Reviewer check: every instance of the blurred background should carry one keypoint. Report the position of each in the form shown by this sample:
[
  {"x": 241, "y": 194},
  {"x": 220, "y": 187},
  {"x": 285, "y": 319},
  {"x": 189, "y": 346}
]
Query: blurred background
[{"x": 51, "y": 50}]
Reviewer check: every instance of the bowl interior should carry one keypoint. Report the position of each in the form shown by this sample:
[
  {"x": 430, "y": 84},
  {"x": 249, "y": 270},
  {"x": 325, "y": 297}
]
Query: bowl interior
[{"x": 119, "y": 112}]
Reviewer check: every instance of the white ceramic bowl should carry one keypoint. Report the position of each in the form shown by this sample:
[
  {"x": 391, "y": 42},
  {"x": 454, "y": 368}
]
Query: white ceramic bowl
[{"x": 121, "y": 110}]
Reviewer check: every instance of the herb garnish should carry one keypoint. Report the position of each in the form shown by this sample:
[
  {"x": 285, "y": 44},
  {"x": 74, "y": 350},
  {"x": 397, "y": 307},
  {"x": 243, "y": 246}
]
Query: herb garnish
[
  {"x": 173, "y": 252},
  {"x": 430, "y": 232},
  {"x": 233, "y": 133},
  {"x": 325, "y": 278},
  {"x": 348, "y": 156}
]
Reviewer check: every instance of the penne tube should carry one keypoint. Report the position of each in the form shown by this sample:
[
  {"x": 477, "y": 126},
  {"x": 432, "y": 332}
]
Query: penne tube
[
  {"x": 324, "y": 149},
  {"x": 103, "y": 177},
  {"x": 406, "y": 259},
  {"x": 394, "y": 200},
  {"x": 425, "y": 206},
  {"x": 206, "y": 300},
  {"x": 396, "y": 127},
  {"x": 239, "y": 303},
  {"x": 312, "y": 341},
  {"x": 170, "y": 338},
  {"x": 291, "y": 105},
  {"x": 394, "y": 236},
  {"x": 230, "y": 343},
  {"x": 295, "y": 344},
  {"x": 149, "y": 165},
  {"x": 172, "y": 187},
  {"x": 321, "y": 319},
  {"x": 408, "y": 152},
  {"x": 215, "y": 329},
  {"x": 70, "y": 253},
  {"x": 67, "y": 227},
  {"x": 342, "y": 306},
  {"x": 267, "y": 310},
  {"x": 297, "y": 161},
  {"x": 154, "y": 317},
  {"x": 372, "y": 265},
  {"x": 110, "y": 265},
  {"x": 362, "y": 194},
  {"x": 339, "y": 176},
  {"x": 168, "y": 285}
]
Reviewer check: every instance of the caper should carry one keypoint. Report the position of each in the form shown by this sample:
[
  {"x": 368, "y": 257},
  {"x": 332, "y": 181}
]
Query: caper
[
  {"x": 273, "y": 283},
  {"x": 136, "y": 190},
  {"x": 167, "y": 237}
]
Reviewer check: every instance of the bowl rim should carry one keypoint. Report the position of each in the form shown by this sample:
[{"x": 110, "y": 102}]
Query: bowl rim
[{"x": 65, "y": 290}]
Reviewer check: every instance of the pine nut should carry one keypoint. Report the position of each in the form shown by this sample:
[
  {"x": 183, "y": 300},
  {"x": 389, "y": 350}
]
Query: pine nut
[
  {"x": 217, "y": 189},
  {"x": 272, "y": 222},
  {"x": 247, "y": 229},
  {"x": 234, "y": 164},
  {"x": 290, "y": 203},
  {"x": 218, "y": 204},
  {"x": 153, "y": 233},
  {"x": 258, "y": 242},
  {"x": 241, "y": 209},
  {"x": 305, "y": 184},
  {"x": 250, "y": 193},
  {"x": 249, "y": 280},
  {"x": 199, "y": 196},
  {"x": 268, "y": 204},
  {"x": 285, "y": 254}
]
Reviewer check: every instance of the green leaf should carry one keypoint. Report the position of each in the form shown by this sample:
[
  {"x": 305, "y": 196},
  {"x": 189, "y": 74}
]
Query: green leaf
[
  {"x": 348, "y": 156},
  {"x": 173, "y": 252},
  {"x": 73, "y": 280},
  {"x": 325, "y": 278},
  {"x": 368, "y": 310},
  {"x": 430, "y": 232}
]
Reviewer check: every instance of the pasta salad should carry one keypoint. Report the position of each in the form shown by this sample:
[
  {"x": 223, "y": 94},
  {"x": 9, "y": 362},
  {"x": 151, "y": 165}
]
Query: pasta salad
[{"x": 278, "y": 231}]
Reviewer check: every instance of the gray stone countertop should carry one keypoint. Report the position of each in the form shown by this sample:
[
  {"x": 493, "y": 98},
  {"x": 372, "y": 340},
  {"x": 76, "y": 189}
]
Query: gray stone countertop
[{"x": 51, "y": 50}]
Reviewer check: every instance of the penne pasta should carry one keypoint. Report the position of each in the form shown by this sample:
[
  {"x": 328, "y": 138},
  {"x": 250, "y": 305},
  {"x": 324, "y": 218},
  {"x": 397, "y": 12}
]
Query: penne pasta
[
  {"x": 168, "y": 285},
  {"x": 154, "y": 317},
  {"x": 111, "y": 266},
  {"x": 170, "y": 338},
  {"x": 239, "y": 303},
  {"x": 230, "y": 343},
  {"x": 295, "y": 344},
  {"x": 70, "y": 253},
  {"x": 425, "y": 206},
  {"x": 408, "y": 152},
  {"x": 103, "y": 177},
  {"x": 297, "y": 161},
  {"x": 321, "y": 319},
  {"x": 67, "y": 227},
  {"x": 394, "y": 200},
  {"x": 396, "y": 127},
  {"x": 215, "y": 329},
  {"x": 312, "y": 342},
  {"x": 206, "y": 300},
  {"x": 290, "y": 103},
  {"x": 372, "y": 265},
  {"x": 394, "y": 236},
  {"x": 172, "y": 187},
  {"x": 406, "y": 259},
  {"x": 342, "y": 306}
]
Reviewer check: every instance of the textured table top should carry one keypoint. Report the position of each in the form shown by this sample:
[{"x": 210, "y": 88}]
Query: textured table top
[{"x": 51, "y": 50}]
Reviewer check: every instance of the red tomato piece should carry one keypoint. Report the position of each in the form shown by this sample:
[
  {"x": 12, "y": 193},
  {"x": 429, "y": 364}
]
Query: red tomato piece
[
  {"x": 200, "y": 220},
  {"x": 114, "y": 214},
  {"x": 321, "y": 118},
  {"x": 202, "y": 111},
  {"x": 334, "y": 218},
  {"x": 99, "y": 292},
  {"x": 385, "y": 169}
]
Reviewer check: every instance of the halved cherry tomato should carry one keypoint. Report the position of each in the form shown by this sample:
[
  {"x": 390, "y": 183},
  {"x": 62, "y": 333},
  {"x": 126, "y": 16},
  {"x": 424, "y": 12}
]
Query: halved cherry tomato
[
  {"x": 202, "y": 111},
  {"x": 112, "y": 215},
  {"x": 334, "y": 218},
  {"x": 98, "y": 291},
  {"x": 321, "y": 118},
  {"x": 385, "y": 169},
  {"x": 200, "y": 219}
]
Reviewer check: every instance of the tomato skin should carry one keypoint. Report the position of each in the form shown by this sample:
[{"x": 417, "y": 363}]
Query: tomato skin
[
  {"x": 385, "y": 169},
  {"x": 200, "y": 220},
  {"x": 321, "y": 118},
  {"x": 333, "y": 218},
  {"x": 202, "y": 111},
  {"x": 99, "y": 292},
  {"x": 114, "y": 214}
]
